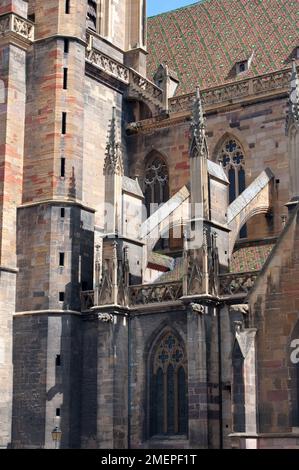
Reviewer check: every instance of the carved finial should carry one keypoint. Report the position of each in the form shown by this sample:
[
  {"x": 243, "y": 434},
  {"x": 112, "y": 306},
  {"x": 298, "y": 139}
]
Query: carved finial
[
  {"x": 113, "y": 156},
  {"x": 205, "y": 238},
  {"x": 293, "y": 111},
  {"x": 198, "y": 138},
  {"x": 238, "y": 326}
]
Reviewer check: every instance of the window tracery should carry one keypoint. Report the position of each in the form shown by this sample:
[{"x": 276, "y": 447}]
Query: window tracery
[
  {"x": 156, "y": 183},
  {"x": 169, "y": 402},
  {"x": 231, "y": 157}
]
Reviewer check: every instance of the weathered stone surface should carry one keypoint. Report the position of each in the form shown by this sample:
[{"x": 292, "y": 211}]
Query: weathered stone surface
[{"x": 90, "y": 373}]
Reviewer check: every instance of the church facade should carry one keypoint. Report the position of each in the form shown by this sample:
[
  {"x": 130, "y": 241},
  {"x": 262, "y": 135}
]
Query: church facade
[{"x": 149, "y": 192}]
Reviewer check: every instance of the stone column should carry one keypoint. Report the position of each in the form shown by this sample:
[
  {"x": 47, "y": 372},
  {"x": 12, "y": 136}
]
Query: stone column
[
  {"x": 112, "y": 385},
  {"x": 246, "y": 341},
  {"x": 292, "y": 132},
  {"x": 197, "y": 377}
]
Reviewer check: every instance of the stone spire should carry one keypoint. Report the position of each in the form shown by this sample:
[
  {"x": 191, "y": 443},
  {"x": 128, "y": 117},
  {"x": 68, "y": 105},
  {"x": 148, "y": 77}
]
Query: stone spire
[
  {"x": 292, "y": 132},
  {"x": 113, "y": 156},
  {"x": 293, "y": 111},
  {"x": 198, "y": 143},
  {"x": 113, "y": 171},
  {"x": 198, "y": 151}
]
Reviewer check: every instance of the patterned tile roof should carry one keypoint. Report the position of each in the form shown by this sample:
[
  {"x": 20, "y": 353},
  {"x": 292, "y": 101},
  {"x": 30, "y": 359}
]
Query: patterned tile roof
[
  {"x": 203, "y": 42},
  {"x": 250, "y": 258},
  {"x": 245, "y": 259}
]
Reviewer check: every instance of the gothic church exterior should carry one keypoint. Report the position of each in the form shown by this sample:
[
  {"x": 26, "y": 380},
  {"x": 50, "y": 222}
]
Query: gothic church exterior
[{"x": 149, "y": 236}]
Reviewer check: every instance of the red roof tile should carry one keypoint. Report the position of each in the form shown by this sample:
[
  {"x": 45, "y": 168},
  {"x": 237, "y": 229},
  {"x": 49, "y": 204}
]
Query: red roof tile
[{"x": 203, "y": 42}]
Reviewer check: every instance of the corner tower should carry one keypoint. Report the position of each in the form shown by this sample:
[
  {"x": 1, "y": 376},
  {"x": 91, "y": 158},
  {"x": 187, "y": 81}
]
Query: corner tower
[
  {"x": 79, "y": 67},
  {"x": 54, "y": 231},
  {"x": 15, "y": 39}
]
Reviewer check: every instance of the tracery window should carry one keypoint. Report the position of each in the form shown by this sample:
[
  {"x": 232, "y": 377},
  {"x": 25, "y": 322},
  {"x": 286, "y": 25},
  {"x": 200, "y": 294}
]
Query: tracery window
[
  {"x": 232, "y": 159},
  {"x": 156, "y": 181},
  {"x": 169, "y": 401}
]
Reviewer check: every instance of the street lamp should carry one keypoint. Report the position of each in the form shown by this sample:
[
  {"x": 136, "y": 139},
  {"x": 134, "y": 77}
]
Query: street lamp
[{"x": 56, "y": 436}]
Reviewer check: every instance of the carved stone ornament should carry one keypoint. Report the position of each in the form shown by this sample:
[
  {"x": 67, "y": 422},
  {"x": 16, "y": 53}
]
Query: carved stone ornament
[
  {"x": 18, "y": 25},
  {"x": 198, "y": 308},
  {"x": 293, "y": 111},
  {"x": 195, "y": 276},
  {"x": 240, "y": 308},
  {"x": 105, "y": 317},
  {"x": 107, "y": 65},
  {"x": 113, "y": 163},
  {"x": 263, "y": 84}
]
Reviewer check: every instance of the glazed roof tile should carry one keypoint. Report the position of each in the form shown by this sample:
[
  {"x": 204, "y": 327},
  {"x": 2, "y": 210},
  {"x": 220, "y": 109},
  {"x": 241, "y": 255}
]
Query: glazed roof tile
[
  {"x": 203, "y": 42},
  {"x": 250, "y": 258}
]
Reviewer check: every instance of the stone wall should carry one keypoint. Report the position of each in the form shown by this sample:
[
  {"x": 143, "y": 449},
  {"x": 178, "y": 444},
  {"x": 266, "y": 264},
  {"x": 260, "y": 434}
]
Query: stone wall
[
  {"x": 12, "y": 117},
  {"x": 199, "y": 332},
  {"x": 274, "y": 312},
  {"x": 7, "y": 307},
  {"x": 89, "y": 390},
  {"x": 99, "y": 101},
  {"x": 41, "y": 386},
  {"x": 43, "y": 234}
]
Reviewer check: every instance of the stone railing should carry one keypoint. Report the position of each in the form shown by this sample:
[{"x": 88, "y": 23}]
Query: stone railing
[
  {"x": 144, "y": 86},
  {"x": 138, "y": 87},
  {"x": 155, "y": 293},
  {"x": 106, "y": 64},
  {"x": 141, "y": 294},
  {"x": 233, "y": 284},
  {"x": 251, "y": 87},
  {"x": 237, "y": 283},
  {"x": 87, "y": 300},
  {"x": 15, "y": 24}
]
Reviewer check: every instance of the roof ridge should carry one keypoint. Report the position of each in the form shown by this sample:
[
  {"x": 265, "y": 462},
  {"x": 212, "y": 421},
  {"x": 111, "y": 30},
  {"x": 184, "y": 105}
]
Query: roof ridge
[{"x": 180, "y": 8}]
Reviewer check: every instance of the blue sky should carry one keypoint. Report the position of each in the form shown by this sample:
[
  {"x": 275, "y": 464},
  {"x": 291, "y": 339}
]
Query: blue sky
[{"x": 159, "y": 6}]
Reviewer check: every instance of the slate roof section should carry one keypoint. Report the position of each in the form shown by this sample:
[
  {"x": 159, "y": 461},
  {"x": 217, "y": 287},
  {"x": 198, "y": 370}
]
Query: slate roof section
[
  {"x": 243, "y": 260},
  {"x": 203, "y": 42}
]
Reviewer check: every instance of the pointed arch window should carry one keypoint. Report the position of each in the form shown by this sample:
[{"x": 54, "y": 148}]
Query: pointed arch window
[
  {"x": 156, "y": 183},
  {"x": 169, "y": 400},
  {"x": 231, "y": 157}
]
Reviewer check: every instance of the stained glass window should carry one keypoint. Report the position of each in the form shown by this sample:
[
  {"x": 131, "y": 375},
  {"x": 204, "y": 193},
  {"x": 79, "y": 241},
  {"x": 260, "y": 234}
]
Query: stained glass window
[
  {"x": 232, "y": 159},
  {"x": 169, "y": 401}
]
